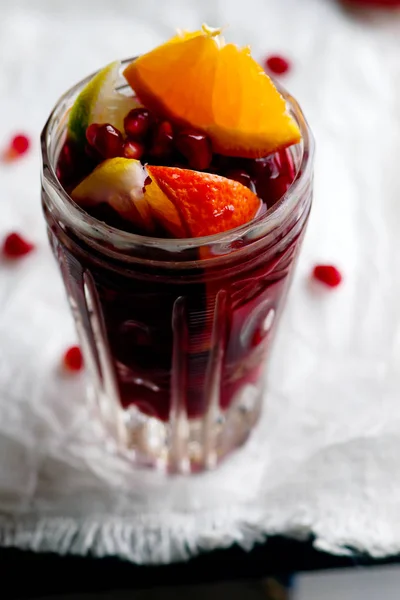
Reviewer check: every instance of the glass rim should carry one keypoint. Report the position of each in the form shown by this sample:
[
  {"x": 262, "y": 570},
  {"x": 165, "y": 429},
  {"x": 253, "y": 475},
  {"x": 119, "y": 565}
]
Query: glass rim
[{"x": 273, "y": 216}]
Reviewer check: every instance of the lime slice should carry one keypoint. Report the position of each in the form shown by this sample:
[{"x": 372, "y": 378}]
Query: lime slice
[{"x": 99, "y": 102}]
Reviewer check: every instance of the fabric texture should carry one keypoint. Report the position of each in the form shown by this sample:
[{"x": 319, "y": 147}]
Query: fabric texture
[{"x": 324, "y": 458}]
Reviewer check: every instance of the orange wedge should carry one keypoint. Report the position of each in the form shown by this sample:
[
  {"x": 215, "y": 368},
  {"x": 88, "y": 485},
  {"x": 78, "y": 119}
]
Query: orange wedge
[
  {"x": 206, "y": 203},
  {"x": 197, "y": 80}
]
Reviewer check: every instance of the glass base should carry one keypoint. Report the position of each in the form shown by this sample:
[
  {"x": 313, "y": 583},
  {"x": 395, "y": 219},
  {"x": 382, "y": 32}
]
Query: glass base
[{"x": 190, "y": 446}]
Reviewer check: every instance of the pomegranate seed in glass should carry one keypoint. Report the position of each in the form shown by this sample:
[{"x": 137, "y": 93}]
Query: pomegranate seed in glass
[
  {"x": 162, "y": 140},
  {"x": 196, "y": 148},
  {"x": 107, "y": 140},
  {"x": 131, "y": 149},
  {"x": 137, "y": 123},
  {"x": 91, "y": 133},
  {"x": 176, "y": 333}
]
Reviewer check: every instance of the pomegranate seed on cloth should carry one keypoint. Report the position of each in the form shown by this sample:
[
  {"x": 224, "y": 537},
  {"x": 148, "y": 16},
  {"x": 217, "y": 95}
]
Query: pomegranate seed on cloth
[
  {"x": 277, "y": 64},
  {"x": 15, "y": 246},
  {"x": 18, "y": 146},
  {"x": 327, "y": 274},
  {"x": 73, "y": 359}
]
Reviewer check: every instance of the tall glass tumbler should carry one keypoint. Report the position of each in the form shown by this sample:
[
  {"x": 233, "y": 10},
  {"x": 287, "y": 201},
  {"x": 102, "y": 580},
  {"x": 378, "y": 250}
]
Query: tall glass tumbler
[{"x": 176, "y": 333}]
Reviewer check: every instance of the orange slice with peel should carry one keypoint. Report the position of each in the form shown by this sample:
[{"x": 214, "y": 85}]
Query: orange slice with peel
[
  {"x": 206, "y": 203},
  {"x": 182, "y": 202},
  {"x": 197, "y": 80}
]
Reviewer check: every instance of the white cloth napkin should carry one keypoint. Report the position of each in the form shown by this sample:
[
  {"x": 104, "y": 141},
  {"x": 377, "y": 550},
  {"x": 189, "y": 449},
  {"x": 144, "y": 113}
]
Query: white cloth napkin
[{"x": 325, "y": 457}]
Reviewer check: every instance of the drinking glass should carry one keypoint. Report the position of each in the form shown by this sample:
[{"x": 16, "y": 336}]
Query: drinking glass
[{"x": 176, "y": 333}]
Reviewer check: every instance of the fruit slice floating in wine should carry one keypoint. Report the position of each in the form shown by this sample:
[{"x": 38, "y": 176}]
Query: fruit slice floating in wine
[
  {"x": 225, "y": 94},
  {"x": 99, "y": 102},
  {"x": 182, "y": 202},
  {"x": 207, "y": 203}
]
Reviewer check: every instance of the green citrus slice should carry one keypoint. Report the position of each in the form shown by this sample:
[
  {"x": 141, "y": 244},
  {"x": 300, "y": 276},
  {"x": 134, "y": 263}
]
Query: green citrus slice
[{"x": 99, "y": 102}]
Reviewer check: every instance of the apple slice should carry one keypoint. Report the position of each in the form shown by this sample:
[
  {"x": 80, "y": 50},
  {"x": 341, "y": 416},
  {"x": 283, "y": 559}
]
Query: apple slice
[
  {"x": 124, "y": 184},
  {"x": 118, "y": 182}
]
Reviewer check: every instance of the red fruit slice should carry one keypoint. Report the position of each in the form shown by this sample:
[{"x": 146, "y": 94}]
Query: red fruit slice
[
  {"x": 124, "y": 185},
  {"x": 207, "y": 203}
]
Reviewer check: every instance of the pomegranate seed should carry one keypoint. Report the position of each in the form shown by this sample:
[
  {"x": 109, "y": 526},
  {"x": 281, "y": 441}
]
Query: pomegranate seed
[
  {"x": 196, "y": 148},
  {"x": 163, "y": 137},
  {"x": 240, "y": 176},
  {"x": 15, "y": 246},
  {"x": 327, "y": 274},
  {"x": 136, "y": 123},
  {"x": 91, "y": 133},
  {"x": 277, "y": 64},
  {"x": 92, "y": 153},
  {"x": 272, "y": 176},
  {"x": 257, "y": 338},
  {"x": 18, "y": 146},
  {"x": 263, "y": 167},
  {"x": 222, "y": 163},
  {"x": 108, "y": 141},
  {"x": 73, "y": 359},
  {"x": 133, "y": 150},
  {"x": 66, "y": 155},
  {"x": 287, "y": 163},
  {"x": 274, "y": 188},
  {"x": 65, "y": 165}
]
